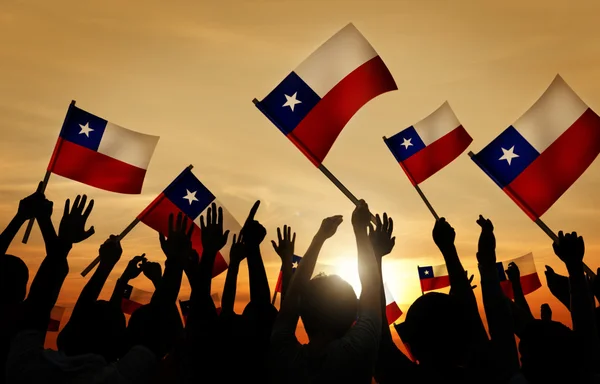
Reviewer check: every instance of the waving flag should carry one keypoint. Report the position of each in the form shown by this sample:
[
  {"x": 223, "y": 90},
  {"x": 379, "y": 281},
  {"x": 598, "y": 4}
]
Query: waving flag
[
  {"x": 134, "y": 298},
  {"x": 431, "y": 144},
  {"x": 530, "y": 281},
  {"x": 56, "y": 316},
  {"x": 314, "y": 102},
  {"x": 295, "y": 262},
  {"x": 392, "y": 310},
  {"x": 188, "y": 195},
  {"x": 433, "y": 277},
  {"x": 540, "y": 156},
  {"x": 99, "y": 153}
]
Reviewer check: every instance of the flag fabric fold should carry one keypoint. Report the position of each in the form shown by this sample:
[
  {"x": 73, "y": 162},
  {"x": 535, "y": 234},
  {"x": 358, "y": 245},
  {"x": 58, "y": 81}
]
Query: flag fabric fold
[
  {"x": 392, "y": 310},
  {"x": 295, "y": 262},
  {"x": 433, "y": 277},
  {"x": 429, "y": 145},
  {"x": 530, "y": 281},
  {"x": 316, "y": 100},
  {"x": 56, "y": 316},
  {"x": 134, "y": 298},
  {"x": 540, "y": 156},
  {"x": 186, "y": 194},
  {"x": 96, "y": 152}
]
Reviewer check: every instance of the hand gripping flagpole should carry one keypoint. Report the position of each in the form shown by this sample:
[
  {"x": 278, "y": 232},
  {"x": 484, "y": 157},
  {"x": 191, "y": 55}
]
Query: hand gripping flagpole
[
  {"x": 47, "y": 175},
  {"x": 539, "y": 222},
  {"x": 321, "y": 167},
  {"x": 420, "y": 192},
  {"x": 127, "y": 230}
]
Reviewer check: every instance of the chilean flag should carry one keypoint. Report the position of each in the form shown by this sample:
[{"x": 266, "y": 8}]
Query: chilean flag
[
  {"x": 433, "y": 277},
  {"x": 428, "y": 146},
  {"x": 540, "y": 156},
  {"x": 99, "y": 153},
  {"x": 134, "y": 298},
  {"x": 314, "y": 102},
  {"x": 188, "y": 195},
  {"x": 392, "y": 310},
  {"x": 530, "y": 280},
  {"x": 56, "y": 316},
  {"x": 295, "y": 262}
]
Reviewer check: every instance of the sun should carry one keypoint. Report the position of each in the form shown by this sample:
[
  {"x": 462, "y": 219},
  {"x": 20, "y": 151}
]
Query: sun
[{"x": 347, "y": 269}]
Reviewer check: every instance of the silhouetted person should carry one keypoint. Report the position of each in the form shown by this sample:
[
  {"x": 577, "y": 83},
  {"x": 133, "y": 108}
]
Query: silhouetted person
[{"x": 546, "y": 312}]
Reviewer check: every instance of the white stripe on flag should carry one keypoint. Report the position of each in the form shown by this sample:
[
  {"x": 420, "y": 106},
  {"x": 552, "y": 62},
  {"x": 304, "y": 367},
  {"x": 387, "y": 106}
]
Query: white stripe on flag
[
  {"x": 438, "y": 124},
  {"x": 525, "y": 263},
  {"x": 439, "y": 270},
  {"x": 128, "y": 146},
  {"x": 389, "y": 298},
  {"x": 551, "y": 115},
  {"x": 335, "y": 59}
]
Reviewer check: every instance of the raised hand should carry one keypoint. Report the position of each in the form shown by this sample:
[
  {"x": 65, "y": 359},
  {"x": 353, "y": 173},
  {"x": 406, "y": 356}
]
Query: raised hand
[
  {"x": 487, "y": 242},
  {"x": 178, "y": 244},
  {"x": 213, "y": 237},
  {"x": 152, "y": 270},
  {"x": 381, "y": 237},
  {"x": 329, "y": 226},
  {"x": 443, "y": 234},
  {"x": 570, "y": 248},
  {"x": 72, "y": 226},
  {"x": 253, "y": 231},
  {"x": 134, "y": 267},
  {"x": 285, "y": 244},
  {"x": 361, "y": 217},
  {"x": 110, "y": 252},
  {"x": 238, "y": 250},
  {"x": 471, "y": 280},
  {"x": 35, "y": 205},
  {"x": 513, "y": 272}
]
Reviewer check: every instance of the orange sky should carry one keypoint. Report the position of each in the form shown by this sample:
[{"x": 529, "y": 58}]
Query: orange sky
[{"x": 188, "y": 70}]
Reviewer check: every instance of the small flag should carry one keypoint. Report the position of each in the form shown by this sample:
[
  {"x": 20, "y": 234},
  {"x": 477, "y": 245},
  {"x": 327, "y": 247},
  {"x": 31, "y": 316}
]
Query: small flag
[
  {"x": 539, "y": 157},
  {"x": 429, "y": 145},
  {"x": 392, "y": 310},
  {"x": 99, "y": 153},
  {"x": 433, "y": 277},
  {"x": 314, "y": 102},
  {"x": 56, "y": 316},
  {"x": 188, "y": 195},
  {"x": 184, "y": 305},
  {"x": 295, "y": 262},
  {"x": 134, "y": 298},
  {"x": 530, "y": 280}
]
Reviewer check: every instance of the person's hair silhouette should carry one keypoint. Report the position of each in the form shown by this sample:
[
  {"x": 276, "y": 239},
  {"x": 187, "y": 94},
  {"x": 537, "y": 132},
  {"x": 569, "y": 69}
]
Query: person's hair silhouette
[{"x": 14, "y": 276}]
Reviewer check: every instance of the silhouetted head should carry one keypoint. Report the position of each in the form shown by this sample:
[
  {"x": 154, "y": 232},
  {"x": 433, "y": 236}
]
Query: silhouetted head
[
  {"x": 437, "y": 330},
  {"x": 546, "y": 312},
  {"x": 549, "y": 352},
  {"x": 144, "y": 323},
  {"x": 99, "y": 328},
  {"x": 14, "y": 276},
  {"x": 328, "y": 307}
]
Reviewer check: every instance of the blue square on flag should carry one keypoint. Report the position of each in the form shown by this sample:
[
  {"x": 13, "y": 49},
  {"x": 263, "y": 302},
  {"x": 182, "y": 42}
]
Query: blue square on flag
[
  {"x": 425, "y": 272},
  {"x": 290, "y": 102},
  {"x": 189, "y": 195},
  {"x": 83, "y": 128},
  {"x": 506, "y": 156},
  {"x": 404, "y": 144}
]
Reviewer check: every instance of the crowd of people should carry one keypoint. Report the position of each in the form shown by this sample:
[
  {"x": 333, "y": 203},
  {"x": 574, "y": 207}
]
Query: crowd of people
[{"x": 349, "y": 337}]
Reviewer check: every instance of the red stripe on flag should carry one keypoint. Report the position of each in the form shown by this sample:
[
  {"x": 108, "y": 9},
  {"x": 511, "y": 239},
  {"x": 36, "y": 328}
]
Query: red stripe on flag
[
  {"x": 317, "y": 132},
  {"x": 157, "y": 218},
  {"x": 279, "y": 284},
  {"x": 558, "y": 167},
  {"x": 129, "y": 306},
  {"x": 529, "y": 283},
  {"x": 96, "y": 169},
  {"x": 392, "y": 312},
  {"x": 436, "y": 155},
  {"x": 433, "y": 283}
]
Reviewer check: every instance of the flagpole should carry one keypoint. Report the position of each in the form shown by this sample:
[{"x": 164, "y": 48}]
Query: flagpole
[
  {"x": 547, "y": 231},
  {"x": 46, "y": 179},
  {"x": 321, "y": 167},
  {"x": 274, "y": 297}
]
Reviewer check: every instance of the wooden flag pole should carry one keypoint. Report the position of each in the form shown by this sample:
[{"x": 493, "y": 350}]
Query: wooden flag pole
[
  {"x": 274, "y": 297},
  {"x": 120, "y": 237},
  {"x": 550, "y": 233},
  {"x": 46, "y": 176},
  {"x": 423, "y": 197}
]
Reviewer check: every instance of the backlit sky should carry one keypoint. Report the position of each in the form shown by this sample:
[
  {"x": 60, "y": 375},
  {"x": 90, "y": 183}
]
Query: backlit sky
[{"x": 188, "y": 70}]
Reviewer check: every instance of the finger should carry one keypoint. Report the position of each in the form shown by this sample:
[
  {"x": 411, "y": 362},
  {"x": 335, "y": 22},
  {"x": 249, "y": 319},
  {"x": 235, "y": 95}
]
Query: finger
[
  {"x": 191, "y": 230},
  {"x": 87, "y": 234},
  {"x": 234, "y": 238},
  {"x": 75, "y": 204},
  {"x": 371, "y": 229},
  {"x": 253, "y": 211},
  {"x": 385, "y": 222},
  {"x": 275, "y": 247},
  {"x": 88, "y": 210},
  {"x": 220, "y": 217},
  {"x": 171, "y": 219},
  {"x": 241, "y": 237},
  {"x": 202, "y": 225},
  {"x": 279, "y": 237},
  {"x": 285, "y": 233},
  {"x": 390, "y": 226},
  {"x": 178, "y": 222},
  {"x": 209, "y": 215},
  {"x": 378, "y": 223},
  {"x": 289, "y": 233},
  {"x": 82, "y": 204},
  {"x": 294, "y": 242},
  {"x": 226, "y": 236},
  {"x": 67, "y": 204},
  {"x": 162, "y": 240}
]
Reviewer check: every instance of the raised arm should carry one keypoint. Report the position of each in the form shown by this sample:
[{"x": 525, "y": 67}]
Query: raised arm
[
  {"x": 514, "y": 275},
  {"x": 236, "y": 255},
  {"x": 254, "y": 233},
  {"x": 285, "y": 250},
  {"x": 133, "y": 270}
]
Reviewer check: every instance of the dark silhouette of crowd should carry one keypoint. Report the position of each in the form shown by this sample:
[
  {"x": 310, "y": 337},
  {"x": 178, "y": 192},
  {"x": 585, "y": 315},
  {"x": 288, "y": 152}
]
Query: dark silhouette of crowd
[{"x": 349, "y": 337}]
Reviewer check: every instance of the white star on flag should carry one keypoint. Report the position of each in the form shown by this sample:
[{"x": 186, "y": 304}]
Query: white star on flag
[
  {"x": 508, "y": 154},
  {"x": 426, "y": 272},
  {"x": 291, "y": 101},
  {"x": 407, "y": 143},
  {"x": 294, "y": 265},
  {"x": 85, "y": 129},
  {"x": 190, "y": 196}
]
